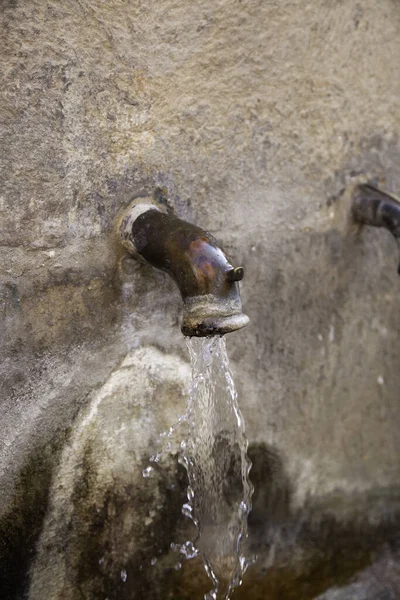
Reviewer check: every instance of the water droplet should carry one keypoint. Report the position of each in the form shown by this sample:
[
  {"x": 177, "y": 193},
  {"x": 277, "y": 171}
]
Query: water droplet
[
  {"x": 189, "y": 550},
  {"x": 124, "y": 575},
  {"x": 187, "y": 510},
  {"x": 147, "y": 472},
  {"x": 156, "y": 457}
]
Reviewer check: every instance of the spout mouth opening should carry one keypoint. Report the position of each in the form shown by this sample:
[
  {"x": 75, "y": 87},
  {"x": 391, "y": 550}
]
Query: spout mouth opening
[
  {"x": 206, "y": 316},
  {"x": 214, "y": 325}
]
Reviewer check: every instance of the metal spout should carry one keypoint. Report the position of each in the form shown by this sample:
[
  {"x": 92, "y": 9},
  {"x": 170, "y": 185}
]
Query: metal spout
[
  {"x": 206, "y": 279},
  {"x": 371, "y": 206}
]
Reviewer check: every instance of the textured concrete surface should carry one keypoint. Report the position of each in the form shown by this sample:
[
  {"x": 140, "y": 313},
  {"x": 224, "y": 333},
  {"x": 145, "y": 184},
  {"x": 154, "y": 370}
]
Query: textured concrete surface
[{"x": 257, "y": 118}]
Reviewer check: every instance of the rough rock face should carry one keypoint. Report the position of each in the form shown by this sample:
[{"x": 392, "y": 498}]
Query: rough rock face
[{"x": 257, "y": 118}]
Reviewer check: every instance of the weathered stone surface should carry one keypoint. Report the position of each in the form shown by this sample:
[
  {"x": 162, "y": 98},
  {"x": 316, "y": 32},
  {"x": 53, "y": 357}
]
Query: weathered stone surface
[
  {"x": 105, "y": 519},
  {"x": 257, "y": 118},
  {"x": 379, "y": 582}
]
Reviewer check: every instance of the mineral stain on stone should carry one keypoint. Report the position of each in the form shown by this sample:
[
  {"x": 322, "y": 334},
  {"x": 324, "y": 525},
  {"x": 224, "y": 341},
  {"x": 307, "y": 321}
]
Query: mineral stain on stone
[{"x": 21, "y": 525}]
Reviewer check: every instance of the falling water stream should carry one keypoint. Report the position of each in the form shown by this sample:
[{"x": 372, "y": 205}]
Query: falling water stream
[{"x": 214, "y": 455}]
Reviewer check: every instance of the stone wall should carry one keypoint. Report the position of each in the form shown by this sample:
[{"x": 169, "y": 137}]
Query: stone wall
[{"x": 257, "y": 118}]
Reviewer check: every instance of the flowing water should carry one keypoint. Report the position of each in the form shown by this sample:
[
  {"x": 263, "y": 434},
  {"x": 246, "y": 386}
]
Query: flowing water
[{"x": 214, "y": 455}]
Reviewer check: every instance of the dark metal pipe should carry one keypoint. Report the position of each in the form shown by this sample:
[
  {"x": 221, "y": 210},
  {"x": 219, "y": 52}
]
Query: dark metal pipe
[
  {"x": 206, "y": 279},
  {"x": 371, "y": 206}
]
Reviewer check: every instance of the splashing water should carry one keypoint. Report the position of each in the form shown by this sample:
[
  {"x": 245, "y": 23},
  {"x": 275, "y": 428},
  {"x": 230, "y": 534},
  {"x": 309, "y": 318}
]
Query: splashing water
[{"x": 214, "y": 455}]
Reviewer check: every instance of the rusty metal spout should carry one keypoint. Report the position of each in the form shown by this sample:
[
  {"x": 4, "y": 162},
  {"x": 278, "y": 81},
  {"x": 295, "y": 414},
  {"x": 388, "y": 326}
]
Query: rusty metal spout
[
  {"x": 206, "y": 279},
  {"x": 371, "y": 206}
]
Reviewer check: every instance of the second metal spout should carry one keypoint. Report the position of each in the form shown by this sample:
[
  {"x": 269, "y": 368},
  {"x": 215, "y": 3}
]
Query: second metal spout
[
  {"x": 372, "y": 206},
  {"x": 207, "y": 281}
]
